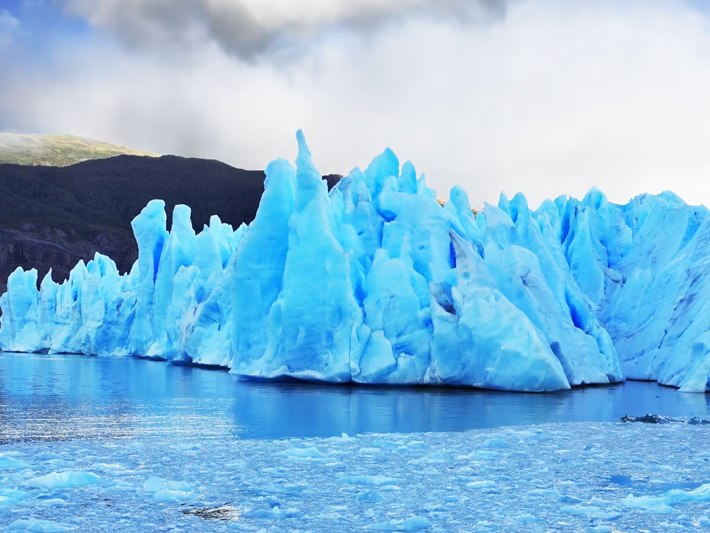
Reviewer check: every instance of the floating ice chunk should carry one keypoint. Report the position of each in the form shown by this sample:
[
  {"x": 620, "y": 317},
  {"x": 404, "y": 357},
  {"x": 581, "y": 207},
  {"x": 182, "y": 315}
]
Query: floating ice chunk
[
  {"x": 417, "y": 523},
  {"x": 154, "y": 483},
  {"x": 495, "y": 442},
  {"x": 53, "y": 502},
  {"x": 369, "y": 481},
  {"x": 481, "y": 484},
  {"x": 485, "y": 455},
  {"x": 36, "y": 525},
  {"x": 302, "y": 454},
  {"x": 63, "y": 480},
  {"x": 275, "y": 512},
  {"x": 369, "y": 450},
  {"x": 370, "y": 496},
  {"x": 663, "y": 503},
  {"x": 8, "y": 462},
  {"x": 10, "y": 497},
  {"x": 172, "y": 495},
  {"x": 165, "y": 490},
  {"x": 590, "y": 511}
]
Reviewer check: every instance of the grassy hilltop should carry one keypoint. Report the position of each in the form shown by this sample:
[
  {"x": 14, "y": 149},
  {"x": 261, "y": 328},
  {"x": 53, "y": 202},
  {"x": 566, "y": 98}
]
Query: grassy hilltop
[{"x": 56, "y": 150}]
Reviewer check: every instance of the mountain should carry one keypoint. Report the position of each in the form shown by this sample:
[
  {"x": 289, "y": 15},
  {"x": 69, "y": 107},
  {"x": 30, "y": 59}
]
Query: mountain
[
  {"x": 56, "y": 150},
  {"x": 51, "y": 217}
]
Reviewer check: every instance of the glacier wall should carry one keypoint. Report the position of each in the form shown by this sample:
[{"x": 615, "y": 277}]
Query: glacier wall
[{"x": 377, "y": 282}]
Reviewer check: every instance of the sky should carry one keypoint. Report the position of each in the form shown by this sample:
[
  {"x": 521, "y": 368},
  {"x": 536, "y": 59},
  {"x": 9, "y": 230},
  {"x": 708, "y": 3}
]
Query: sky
[{"x": 544, "y": 97}]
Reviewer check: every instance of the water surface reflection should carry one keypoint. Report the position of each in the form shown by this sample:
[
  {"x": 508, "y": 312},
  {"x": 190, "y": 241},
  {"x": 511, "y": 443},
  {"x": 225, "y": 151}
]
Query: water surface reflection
[{"x": 50, "y": 397}]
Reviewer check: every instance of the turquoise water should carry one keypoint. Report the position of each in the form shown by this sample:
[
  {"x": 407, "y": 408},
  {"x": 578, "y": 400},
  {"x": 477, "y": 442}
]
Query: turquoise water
[{"x": 56, "y": 397}]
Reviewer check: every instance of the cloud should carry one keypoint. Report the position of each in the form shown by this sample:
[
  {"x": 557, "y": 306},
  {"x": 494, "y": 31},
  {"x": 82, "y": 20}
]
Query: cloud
[
  {"x": 9, "y": 26},
  {"x": 247, "y": 28},
  {"x": 556, "y": 97}
]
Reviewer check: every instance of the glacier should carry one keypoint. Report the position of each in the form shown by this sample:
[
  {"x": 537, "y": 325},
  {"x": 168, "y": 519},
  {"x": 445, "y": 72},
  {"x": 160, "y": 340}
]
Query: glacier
[{"x": 378, "y": 281}]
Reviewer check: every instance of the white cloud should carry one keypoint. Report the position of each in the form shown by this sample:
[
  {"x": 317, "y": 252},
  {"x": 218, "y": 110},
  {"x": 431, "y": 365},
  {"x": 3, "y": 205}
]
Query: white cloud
[
  {"x": 9, "y": 26},
  {"x": 554, "y": 98}
]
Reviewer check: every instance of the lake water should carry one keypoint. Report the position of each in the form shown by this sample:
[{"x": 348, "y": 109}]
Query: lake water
[
  {"x": 125, "y": 445},
  {"x": 59, "y": 397}
]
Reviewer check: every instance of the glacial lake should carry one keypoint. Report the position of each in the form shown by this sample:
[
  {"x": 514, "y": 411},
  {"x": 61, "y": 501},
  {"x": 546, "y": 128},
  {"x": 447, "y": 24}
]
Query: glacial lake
[{"x": 62, "y": 397}]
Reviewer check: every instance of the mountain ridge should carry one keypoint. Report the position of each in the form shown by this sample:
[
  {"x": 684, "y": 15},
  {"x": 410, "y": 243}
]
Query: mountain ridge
[
  {"x": 39, "y": 149},
  {"x": 52, "y": 217}
]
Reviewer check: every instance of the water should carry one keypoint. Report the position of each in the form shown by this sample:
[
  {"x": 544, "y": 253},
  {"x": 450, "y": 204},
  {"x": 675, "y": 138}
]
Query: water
[
  {"x": 59, "y": 397},
  {"x": 124, "y": 445}
]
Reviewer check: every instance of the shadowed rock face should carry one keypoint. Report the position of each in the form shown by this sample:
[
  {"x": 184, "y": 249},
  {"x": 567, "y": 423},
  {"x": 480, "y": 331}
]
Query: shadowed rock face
[{"x": 51, "y": 217}]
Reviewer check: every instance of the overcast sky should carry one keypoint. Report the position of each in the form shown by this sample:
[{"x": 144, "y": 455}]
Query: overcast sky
[{"x": 540, "y": 96}]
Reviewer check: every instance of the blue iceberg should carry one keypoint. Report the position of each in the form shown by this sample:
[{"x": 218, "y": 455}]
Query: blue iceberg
[{"x": 377, "y": 281}]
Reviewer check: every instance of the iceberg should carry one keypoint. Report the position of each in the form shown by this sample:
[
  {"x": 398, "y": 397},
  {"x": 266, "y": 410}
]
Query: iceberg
[{"x": 379, "y": 282}]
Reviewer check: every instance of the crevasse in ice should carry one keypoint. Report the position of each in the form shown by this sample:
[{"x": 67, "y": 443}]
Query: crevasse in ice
[{"x": 377, "y": 282}]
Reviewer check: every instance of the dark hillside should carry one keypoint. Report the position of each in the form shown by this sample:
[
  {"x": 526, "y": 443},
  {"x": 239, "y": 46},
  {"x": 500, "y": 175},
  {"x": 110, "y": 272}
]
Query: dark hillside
[{"x": 51, "y": 217}]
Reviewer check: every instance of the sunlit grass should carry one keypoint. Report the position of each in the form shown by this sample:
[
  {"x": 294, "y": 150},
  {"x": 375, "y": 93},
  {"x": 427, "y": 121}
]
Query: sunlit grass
[{"x": 57, "y": 150}]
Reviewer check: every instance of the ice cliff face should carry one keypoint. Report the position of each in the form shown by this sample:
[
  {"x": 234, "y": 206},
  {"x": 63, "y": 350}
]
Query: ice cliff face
[{"x": 376, "y": 282}]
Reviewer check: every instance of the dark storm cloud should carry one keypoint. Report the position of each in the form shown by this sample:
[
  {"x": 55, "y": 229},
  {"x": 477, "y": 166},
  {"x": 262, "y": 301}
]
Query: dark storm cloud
[{"x": 247, "y": 28}]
